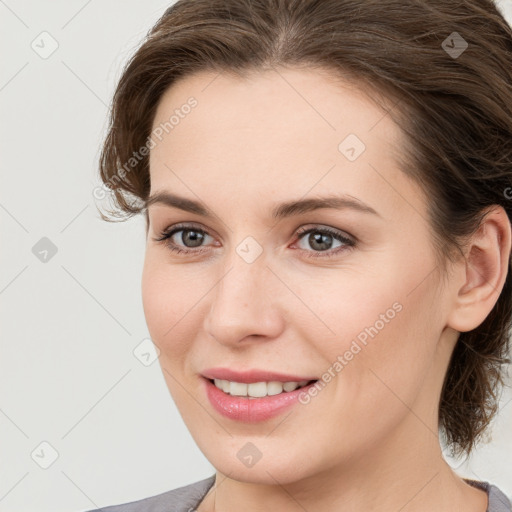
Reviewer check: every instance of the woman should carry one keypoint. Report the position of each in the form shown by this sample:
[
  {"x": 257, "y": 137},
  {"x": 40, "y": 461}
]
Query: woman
[{"x": 326, "y": 185}]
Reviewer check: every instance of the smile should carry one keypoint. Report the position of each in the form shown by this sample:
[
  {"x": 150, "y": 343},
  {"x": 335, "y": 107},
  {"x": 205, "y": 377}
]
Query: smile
[{"x": 252, "y": 409}]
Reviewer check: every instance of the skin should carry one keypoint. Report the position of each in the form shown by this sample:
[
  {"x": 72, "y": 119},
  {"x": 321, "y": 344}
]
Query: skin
[{"x": 368, "y": 440}]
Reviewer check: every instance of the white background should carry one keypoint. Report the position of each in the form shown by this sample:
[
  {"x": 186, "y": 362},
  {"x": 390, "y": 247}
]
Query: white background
[{"x": 68, "y": 375}]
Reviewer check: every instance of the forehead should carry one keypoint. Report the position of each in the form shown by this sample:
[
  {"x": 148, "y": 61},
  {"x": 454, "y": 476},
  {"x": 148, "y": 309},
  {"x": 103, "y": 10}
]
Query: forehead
[
  {"x": 283, "y": 103},
  {"x": 284, "y": 131}
]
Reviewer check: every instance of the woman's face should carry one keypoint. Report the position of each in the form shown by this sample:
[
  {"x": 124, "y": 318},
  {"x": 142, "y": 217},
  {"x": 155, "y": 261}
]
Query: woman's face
[{"x": 364, "y": 314}]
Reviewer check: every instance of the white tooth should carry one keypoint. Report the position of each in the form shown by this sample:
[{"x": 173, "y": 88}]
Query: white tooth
[
  {"x": 274, "y": 388},
  {"x": 257, "y": 389},
  {"x": 238, "y": 388},
  {"x": 290, "y": 386}
]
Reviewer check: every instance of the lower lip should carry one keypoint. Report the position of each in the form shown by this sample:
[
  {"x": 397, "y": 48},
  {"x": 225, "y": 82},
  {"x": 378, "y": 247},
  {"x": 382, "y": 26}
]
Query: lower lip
[{"x": 251, "y": 410}]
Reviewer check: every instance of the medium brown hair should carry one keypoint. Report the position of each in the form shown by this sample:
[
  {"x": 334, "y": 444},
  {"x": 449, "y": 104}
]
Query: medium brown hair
[{"x": 454, "y": 108}]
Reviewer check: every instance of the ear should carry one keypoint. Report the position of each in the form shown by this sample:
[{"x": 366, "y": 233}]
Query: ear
[{"x": 483, "y": 272}]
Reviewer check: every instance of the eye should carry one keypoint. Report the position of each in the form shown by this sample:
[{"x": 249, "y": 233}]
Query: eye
[
  {"x": 190, "y": 236},
  {"x": 320, "y": 239}
]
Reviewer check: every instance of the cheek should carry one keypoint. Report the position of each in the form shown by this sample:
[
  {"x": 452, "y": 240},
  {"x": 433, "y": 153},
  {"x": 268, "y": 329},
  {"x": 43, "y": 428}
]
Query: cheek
[
  {"x": 386, "y": 332},
  {"x": 166, "y": 304},
  {"x": 156, "y": 299},
  {"x": 388, "y": 354}
]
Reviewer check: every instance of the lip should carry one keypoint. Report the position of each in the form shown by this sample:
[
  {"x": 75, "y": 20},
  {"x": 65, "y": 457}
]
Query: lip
[
  {"x": 251, "y": 410},
  {"x": 251, "y": 376}
]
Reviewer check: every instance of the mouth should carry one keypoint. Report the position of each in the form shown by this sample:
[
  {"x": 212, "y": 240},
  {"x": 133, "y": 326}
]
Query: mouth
[
  {"x": 238, "y": 404},
  {"x": 261, "y": 389}
]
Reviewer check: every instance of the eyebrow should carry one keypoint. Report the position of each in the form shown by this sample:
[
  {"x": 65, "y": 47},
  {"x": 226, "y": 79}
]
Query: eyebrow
[{"x": 280, "y": 211}]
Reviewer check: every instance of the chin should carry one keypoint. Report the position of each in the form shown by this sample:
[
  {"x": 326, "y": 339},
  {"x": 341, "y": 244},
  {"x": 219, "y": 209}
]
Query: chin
[{"x": 243, "y": 461}]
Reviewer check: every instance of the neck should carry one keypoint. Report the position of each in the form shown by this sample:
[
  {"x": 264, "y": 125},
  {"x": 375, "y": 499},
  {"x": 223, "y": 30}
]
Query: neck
[{"x": 407, "y": 474}]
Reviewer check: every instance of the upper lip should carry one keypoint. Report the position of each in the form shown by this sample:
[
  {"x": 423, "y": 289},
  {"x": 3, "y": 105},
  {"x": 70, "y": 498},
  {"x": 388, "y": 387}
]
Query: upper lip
[{"x": 251, "y": 376}]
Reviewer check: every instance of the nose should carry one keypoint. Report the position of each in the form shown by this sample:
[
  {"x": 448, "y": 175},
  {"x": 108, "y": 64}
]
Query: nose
[{"x": 244, "y": 304}]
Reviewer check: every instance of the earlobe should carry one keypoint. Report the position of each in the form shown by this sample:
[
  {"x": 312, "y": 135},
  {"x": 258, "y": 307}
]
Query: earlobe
[{"x": 484, "y": 272}]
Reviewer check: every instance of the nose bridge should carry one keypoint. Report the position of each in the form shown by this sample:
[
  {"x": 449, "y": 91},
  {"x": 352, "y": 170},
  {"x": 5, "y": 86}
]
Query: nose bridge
[{"x": 241, "y": 303}]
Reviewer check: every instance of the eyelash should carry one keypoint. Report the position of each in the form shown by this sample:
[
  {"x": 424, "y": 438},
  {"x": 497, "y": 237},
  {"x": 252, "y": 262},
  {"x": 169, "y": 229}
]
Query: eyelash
[{"x": 168, "y": 233}]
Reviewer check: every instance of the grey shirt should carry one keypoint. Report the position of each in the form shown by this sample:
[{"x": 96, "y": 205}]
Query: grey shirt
[{"x": 188, "y": 498}]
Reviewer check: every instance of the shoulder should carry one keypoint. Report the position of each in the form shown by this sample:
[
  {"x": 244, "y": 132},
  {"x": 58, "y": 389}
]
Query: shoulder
[
  {"x": 498, "y": 501},
  {"x": 182, "y": 499}
]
